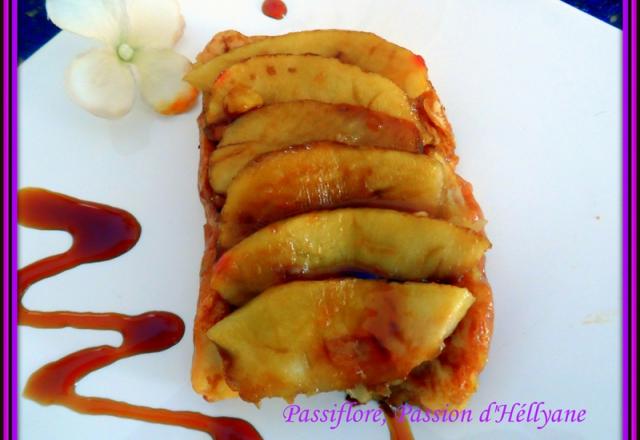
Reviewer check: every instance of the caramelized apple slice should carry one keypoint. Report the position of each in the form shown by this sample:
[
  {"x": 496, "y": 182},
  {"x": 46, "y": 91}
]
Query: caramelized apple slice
[
  {"x": 451, "y": 379},
  {"x": 223, "y": 42},
  {"x": 368, "y": 51},
  {"x": 306, "y": 121},
  {"x": 314, "y": 336},
  {"x": 281, "y": 78},
  {"x": 330, "y": 175},
  {"x": 299, "y": 122},
  {"x": 278, "y": 126},
  {"x": 394, "y": 244}
]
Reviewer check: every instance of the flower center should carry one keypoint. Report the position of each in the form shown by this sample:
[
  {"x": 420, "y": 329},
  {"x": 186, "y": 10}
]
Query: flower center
[{"x": 125, "y": 52}]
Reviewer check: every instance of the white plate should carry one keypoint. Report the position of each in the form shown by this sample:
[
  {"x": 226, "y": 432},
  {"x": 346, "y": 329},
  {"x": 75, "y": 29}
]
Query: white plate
[{"x": 533, "y": 91}]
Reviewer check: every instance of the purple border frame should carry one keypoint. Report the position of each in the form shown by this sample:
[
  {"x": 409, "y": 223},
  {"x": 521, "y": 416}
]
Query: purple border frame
[
  {"x": 630, "y": 257},
  {"x": 10, "y": 311},
  {"x": 14, "y": 214},
  {"x": 629, "y": 173},
  {"x": 7, "y": 395}
]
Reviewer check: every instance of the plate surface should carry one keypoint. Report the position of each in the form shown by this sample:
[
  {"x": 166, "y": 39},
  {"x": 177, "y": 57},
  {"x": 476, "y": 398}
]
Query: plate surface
[{"x": 533, "y": 91}]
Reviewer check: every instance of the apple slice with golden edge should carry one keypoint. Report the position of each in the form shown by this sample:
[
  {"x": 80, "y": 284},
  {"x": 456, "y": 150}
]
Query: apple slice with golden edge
[
  {"x": 298, "y": 122},
  {"x": 395, "y": 244},
  {"x": 408, "y": 75},
  {"x": 223, "y": 42},
  {"x": 315, "y": 336},
  {"x": 451, "y": 379},
  {"x": 277, "y": 126},
  {"x": 328, "y": 175},
  {"x": 366, "y": 50},
  {"x": 269, "y": 79}
]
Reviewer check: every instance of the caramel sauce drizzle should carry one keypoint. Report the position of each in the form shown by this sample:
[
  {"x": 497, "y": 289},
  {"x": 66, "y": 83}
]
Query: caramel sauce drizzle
[
  {"x": 275, "y": 9},
  {"x": 399, "y": 427},
  {"x": 100, "y": 233}
]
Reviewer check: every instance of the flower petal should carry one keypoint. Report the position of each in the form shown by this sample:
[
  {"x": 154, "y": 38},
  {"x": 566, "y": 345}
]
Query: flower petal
[
  {"x": 101, "y": 83},
  {"x": 160, "y": 73},
  {"x": 103, "y": 20},
  {"x": 154, "y": 23}
]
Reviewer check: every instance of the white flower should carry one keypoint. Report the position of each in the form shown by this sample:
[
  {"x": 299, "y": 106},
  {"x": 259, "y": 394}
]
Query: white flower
[{"x": 138, "y": 37}]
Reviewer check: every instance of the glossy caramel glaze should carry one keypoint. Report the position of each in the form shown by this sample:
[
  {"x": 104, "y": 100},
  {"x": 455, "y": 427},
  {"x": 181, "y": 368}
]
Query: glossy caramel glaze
[
  {"x": 299, "y": 122},
  {"x": 393, "y": 244},
  {"x": 328, "y": 175},
  {"x": 100, "y": 233},
  {"x": 455, "y": 378},
  {"x": 349, "y": 334},
  {"x": 399, "y": 427},
  {"x": 280, "y": 125},
  {"x": 450, "y": 379},
  {"x": 268, "y": 79}
]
